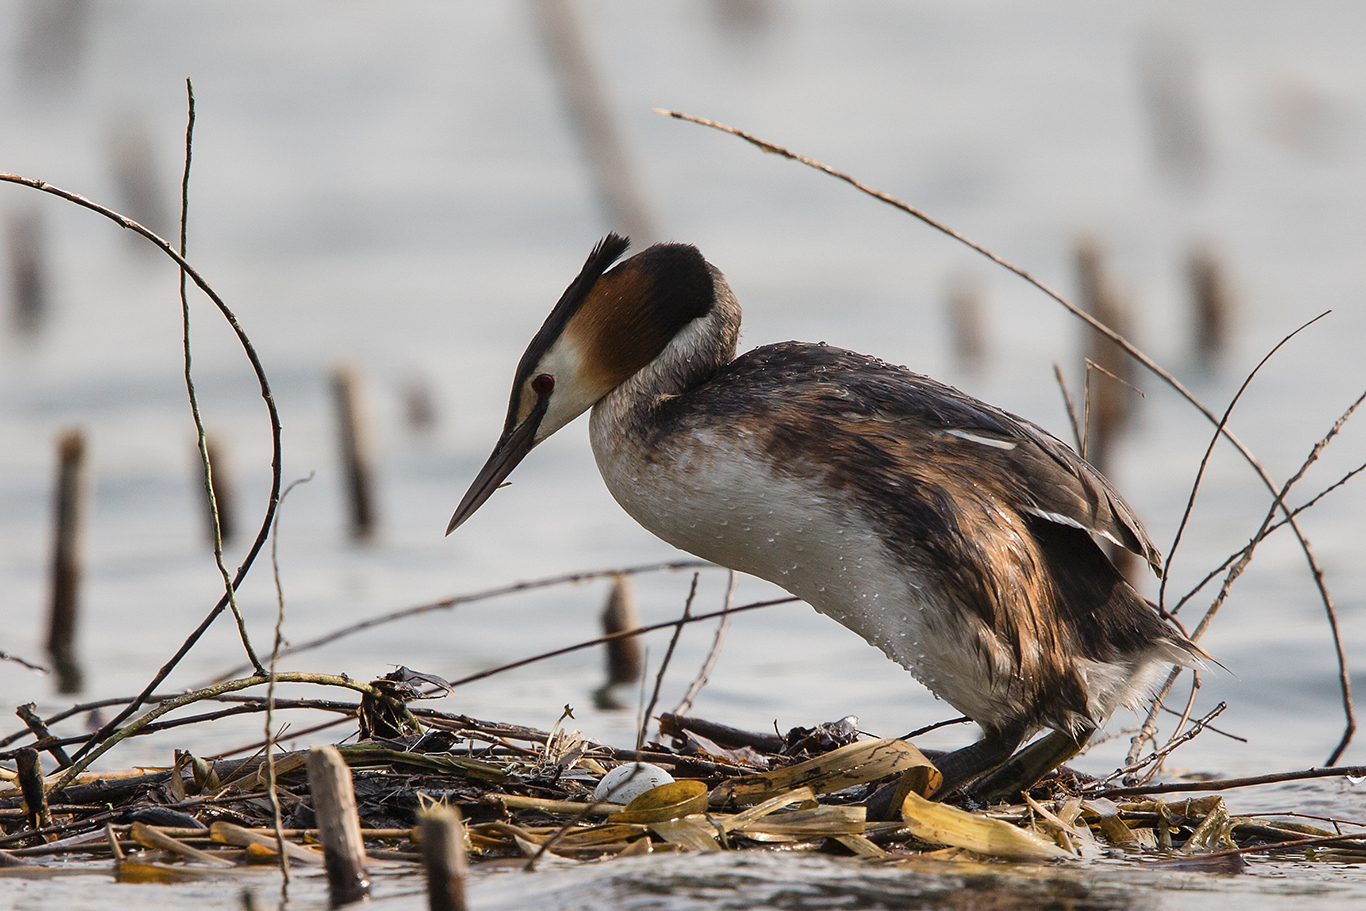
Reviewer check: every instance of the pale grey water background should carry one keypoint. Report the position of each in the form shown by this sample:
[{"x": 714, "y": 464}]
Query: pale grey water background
[{"x": 398, "y": 185}]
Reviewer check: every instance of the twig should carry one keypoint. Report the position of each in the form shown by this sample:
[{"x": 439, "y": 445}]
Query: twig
[
  {"x": 715, "y": 652},
  {"x": 269, "y": 745},
  {"x": 194, "y": 400},
  {"x": 697, "y": 618},
  {"x": 1170, "y": 745},
  {"x": 1225, "y": 784},
  {"x": 1100, "y": 327},
  {"x": 456, "y": 600},
  {"x": 664, "y": 665},
  {"x": 6, "y": 656},
  {"x": 1071, "y": 408},
  {"x": 1209, "y": 450},
  {"x": 230, "y": 686}
]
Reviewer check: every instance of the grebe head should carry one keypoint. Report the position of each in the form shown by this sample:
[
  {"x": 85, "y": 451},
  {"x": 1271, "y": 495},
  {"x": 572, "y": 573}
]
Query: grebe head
[{"x": 605, "y": 328}]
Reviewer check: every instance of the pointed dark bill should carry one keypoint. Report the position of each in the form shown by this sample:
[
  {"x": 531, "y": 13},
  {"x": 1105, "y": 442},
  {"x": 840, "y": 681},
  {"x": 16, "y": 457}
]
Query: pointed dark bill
[{"x": 511, "y": 449}]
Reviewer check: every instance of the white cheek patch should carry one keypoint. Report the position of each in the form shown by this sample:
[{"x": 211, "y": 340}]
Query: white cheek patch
[
  {"x": 985, "y": 441},
  {"x": 571, "y": 396}
]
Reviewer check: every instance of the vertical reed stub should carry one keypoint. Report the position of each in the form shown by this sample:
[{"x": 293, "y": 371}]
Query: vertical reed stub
[
  {"x": 30, "y": 768},
  {"x": 28, "y": 276},
  {"x": 443, "y": 856},
  {"x": 67, "y": 551},
  {"x": 1106, "y": 394},
  {"x": 625, "y": 663},
  {"x": 334, "y": 804},
  {"x": 354, "y": 442},
  {"x": 1213, "y": 304},
  {"x": 613, "y": 172},
  {"x": 224, "y": 492},
  {"x": 966, "y": 323}
]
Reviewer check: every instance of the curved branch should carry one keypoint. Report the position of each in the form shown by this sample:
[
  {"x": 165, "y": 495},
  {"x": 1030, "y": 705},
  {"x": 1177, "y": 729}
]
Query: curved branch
[{"x": 266, "y": 394}]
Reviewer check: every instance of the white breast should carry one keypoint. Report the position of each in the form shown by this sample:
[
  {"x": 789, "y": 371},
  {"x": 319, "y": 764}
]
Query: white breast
[{"x": 709, "y": 496}]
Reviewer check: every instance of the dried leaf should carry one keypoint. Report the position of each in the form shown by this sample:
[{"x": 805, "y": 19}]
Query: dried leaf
[
  {"x": 692, "y": 832},
  {"x": 941, "y": 824},
  {"x": 668, "y": 801},
  {"x": 857, "y": 763}
]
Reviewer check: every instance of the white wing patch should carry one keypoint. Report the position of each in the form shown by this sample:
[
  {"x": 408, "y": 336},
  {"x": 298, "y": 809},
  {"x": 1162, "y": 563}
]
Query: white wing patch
[
  {"x": 985, "y": 441},
  {"x": 1068, "y": 520}
]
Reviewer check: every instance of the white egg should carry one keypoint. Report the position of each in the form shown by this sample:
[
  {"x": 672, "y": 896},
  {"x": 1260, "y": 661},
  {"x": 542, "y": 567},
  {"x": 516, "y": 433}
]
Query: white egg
[{"x": 627, "y": 782}]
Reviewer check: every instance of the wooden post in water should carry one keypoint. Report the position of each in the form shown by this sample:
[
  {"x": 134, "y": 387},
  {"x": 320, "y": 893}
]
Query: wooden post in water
[
  {"x": 592, "y": 117},
  {"x": 334, "y": 804},
  {"x": 28, "y": 277},
  {"x": 1107, "y": 395},
  {"x": 624, "y": 661},
  {"x": 224, "y": 491},
  {"x": 1212, "y": 302},
  {"x": 357, "y": 465},
  {"x": 30, "y": 768},
  {"x": 965, "y": 323},
  {"x": 68, "y": 517},
  {"x": 443, "y": 855}
]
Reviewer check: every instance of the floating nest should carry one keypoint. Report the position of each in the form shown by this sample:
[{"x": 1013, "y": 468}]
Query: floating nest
[{"x": 526, "y": 794}]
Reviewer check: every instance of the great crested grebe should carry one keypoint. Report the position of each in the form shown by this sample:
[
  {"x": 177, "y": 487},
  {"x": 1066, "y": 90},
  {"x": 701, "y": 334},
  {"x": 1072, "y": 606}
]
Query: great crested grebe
[{"x": 955, "y": 537}]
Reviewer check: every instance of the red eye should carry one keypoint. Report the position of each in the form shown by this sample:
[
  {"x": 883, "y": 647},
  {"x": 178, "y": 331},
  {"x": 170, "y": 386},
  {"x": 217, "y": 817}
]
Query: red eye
[{"x": 542, "y": 383}]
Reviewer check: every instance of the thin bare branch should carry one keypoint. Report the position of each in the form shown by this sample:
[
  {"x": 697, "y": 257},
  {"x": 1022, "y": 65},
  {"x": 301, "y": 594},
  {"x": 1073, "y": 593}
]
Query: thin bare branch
[
  {"x": 664, "y": 665},
  {"x": 715, "y": 652}
]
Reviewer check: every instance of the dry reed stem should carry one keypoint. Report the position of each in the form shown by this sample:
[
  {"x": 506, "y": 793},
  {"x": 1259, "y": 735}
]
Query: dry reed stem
[
  {"x": 457, "y": 600},
  {"x": 554, "y": 653},
  {"x": 664, "y": 665},
  {"x": 1071, "y": 408},
  {"x": 269, "y": 745},
  {"x": 200, "y": 439},
  {"x": 710, "y": 663},
  {"x": 1166, "y": 377}
]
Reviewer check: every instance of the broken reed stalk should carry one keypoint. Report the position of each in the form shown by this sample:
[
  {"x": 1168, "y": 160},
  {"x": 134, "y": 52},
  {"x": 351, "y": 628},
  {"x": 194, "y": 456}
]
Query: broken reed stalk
[
  {"x": 625, "y": 663},
  {"x": 664, "y": 665},
  {"x": 30, "y": 768},
  {"x": 353, "y": 440},
  {"x": 334, "y": 803},
  {"x": 613, "y": 174},
  {"x": 1165, "y": 376},
  {"x": 69, "y": 509},
  {"x": 35, "y": 724},
  {"x": 721, "y": 628},
  {"x": 456, "y": 600},
  {"x": 210, "y": 488},
  {"x": 1213, "y": 303},
  {"x": 443, "y": 855},
  {"x": 272, "y": 788},
  {"x": 28, "y": 277},
  {"x": 1071, "y": 408},
  {"x": 223, "y": 501},
  {"x": 1109, "y": 411}
]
